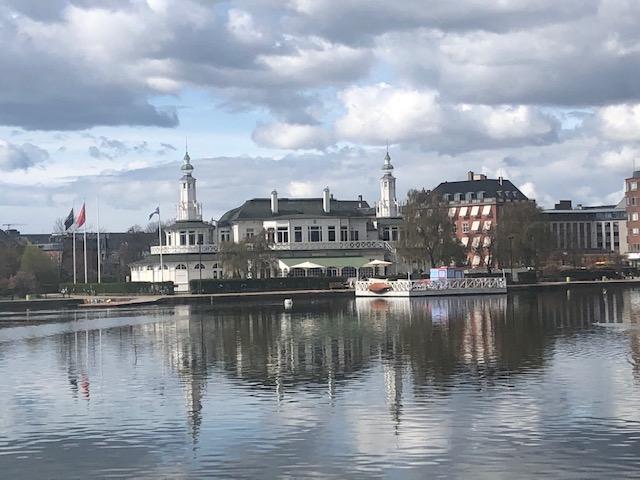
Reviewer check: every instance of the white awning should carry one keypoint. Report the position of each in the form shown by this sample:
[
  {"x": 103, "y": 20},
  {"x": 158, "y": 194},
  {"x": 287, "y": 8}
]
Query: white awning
[
  {"x": 452, "y": 212},
  {"x": 378, "y": 263},
  {"x": 475, "y": 226},
  {"x": 474, "y": 211},
  {"x": 463, "y": 212},
  {"x": 487, "y": 224},
  {"x": 486, "y": 210},
  {"x": 307, "y": 265},
  {"x": 476, "y": 242}
]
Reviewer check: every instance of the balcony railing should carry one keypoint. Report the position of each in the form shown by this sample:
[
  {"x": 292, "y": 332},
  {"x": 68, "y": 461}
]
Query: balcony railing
[
  {"x": 171, "y": 249},
  {"x": 350, "y": 245}
]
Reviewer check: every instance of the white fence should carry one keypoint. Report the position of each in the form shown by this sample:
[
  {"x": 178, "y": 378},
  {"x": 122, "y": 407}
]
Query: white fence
[{"x": 350, "y": 245}]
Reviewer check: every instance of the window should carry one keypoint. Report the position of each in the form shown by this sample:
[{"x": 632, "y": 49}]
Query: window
[
  {"x": 271, "y": 235},
  {"x": 476, "y": 261},
  {"x": 169, "y": 240},
  {"x": 475, "y": 210},
  {"x": 192, "y": 237},
  {"x": 149, "y": 267},
  {"x": 452, "y": 212},
  {"x": 487, "y": 225},
  {"x": 348, "y": 272},
  {"x": 199, "y": 266},
  {"x": 394, "y": 234},
  {"x": 225, "y": 236},
  {"x": 386, "y": 233},
  {"x": 201, "y": 239},
  {"x": 465, "y": 227},
  {"x": 475, "y": 226},
  {"x": 181, "y": 266},
  {"x": 332, "y": 233},
  {"x": 486, "y": 210},
  {"x": 354, "y": 235},
  {"x": 183, "y": 238},
  {"x": 297, "y": 234},
  {"x": 634, "y": 217},
  {"x": 249, "y": 233},
  {"x": 635, "y": 231},
  {"x": 315, "y": 233},
  {"x": 476, "y": 242},
  {"x": 634, "y": 185},
  {"x": 344, "y": 234},
  {"x": 463, "y": 212},
  {"x": 465, "y": 241},
  {"x": 283, "y": 234},
  {"x": 487, "y": 242}
]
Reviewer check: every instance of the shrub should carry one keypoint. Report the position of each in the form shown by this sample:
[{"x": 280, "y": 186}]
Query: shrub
[
  {"x": 119, "y": 288},
  {"x": 263, "y": 284}
]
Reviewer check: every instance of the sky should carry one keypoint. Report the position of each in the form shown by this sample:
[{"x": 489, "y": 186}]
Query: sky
[{"x": 97, "y": 100}]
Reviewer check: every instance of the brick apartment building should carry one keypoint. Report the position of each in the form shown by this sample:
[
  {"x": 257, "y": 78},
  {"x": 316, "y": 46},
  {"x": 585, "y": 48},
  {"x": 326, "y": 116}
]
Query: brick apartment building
[
  {"x": 632, "y": 207},
  {"x": 475, "y": 205}
]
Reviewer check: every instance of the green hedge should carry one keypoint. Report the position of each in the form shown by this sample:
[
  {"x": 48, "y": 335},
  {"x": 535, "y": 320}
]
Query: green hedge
[
  {"x": 265, "y": 284},
  {"x": 119, "y": 288}
]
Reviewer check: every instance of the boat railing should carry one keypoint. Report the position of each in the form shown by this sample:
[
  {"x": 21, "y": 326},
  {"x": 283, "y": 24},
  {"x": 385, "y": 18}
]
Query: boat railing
[{"x": 485, "y": 283}]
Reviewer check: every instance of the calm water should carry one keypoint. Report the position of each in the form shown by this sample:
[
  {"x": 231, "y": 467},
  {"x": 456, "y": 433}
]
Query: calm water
[{"x": 476, "y": 387}]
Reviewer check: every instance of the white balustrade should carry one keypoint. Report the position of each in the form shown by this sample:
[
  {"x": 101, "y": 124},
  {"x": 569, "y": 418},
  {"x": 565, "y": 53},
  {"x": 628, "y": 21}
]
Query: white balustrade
[
  {"x": 349, "y": 245},
  {"x": 172, "y": 249},
  {"x": 488, "y": 283}
]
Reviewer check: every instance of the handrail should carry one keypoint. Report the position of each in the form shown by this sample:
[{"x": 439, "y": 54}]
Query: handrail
[{"x": 486, "y": 283}]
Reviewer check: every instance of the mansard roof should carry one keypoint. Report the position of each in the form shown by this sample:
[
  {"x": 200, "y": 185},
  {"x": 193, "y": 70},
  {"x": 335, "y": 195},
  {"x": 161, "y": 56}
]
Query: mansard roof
[
  {"x": 491, "y": 188},
  {"x": 260, "y": 209}
]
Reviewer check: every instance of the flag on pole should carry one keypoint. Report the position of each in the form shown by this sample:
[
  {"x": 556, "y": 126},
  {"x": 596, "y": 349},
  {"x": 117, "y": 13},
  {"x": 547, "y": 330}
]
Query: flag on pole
[
  {"x": 68, "y": 223},
  {"x": 155, "y": 212},
  {"x": 82, "y": 217}
]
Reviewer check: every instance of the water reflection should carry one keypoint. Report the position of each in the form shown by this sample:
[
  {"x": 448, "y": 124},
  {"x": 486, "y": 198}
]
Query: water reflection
[{"x": 491, "y": 386}]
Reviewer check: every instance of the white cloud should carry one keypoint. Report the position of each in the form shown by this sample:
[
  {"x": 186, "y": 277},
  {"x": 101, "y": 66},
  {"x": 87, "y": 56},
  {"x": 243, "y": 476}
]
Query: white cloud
[
  {"x": 302, "y": 189},
  {"x": 620, "y": 122},
  {"x": 292, "y": 136}
]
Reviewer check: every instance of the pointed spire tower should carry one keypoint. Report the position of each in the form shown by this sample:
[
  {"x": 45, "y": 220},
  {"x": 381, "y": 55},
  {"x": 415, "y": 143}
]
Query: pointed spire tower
[
  {"x": 387, "y": 205},
  {"x": 189, "y": 210}
]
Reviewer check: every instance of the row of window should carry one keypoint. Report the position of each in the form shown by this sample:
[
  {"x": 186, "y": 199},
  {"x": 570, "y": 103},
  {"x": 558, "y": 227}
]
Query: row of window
[
  {"x": 314, "y": 234},
  {"x": 189, "y": 237},
  {"x": 470, "y": 196},
  {"x": 475, "y": 243},
  {"x": 180, "y": 266},
  {"x": 475, "y": 226},
  {"x": 466, "y": 212}
]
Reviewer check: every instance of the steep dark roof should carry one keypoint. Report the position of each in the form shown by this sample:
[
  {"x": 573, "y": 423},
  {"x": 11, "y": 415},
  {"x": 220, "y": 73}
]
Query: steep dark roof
[
  {"x": 492, "y": 188},
  {"x": 260, "y": 209},
  {"x": 186, "y": 224}
]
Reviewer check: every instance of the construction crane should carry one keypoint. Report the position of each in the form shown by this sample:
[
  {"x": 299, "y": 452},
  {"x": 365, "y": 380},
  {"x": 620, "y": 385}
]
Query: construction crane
[{"x": 9, "y": 225}]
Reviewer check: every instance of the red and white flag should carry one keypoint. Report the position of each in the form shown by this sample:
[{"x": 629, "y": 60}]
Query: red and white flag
[{"x": 81, "y": 217}]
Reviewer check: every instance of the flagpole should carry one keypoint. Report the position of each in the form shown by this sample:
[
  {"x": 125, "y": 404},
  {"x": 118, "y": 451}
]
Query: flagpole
[
  {"x": 98, "y": 237},
  {"x": 86, "y": 280},
  {"x": 75, "y": 274},
  {"x": 160, "y": 245}
]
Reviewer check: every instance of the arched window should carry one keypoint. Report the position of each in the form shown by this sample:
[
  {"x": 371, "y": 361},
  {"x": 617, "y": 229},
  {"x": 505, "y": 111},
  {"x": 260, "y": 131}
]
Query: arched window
[
  {"x": 181, "y": 266},
  {"x": 149, "y": 267},
  {"x": 199, "y": 266}
]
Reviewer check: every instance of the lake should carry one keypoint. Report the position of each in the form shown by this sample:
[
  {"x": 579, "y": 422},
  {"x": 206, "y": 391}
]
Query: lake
[{"x": 514, "y": 386}]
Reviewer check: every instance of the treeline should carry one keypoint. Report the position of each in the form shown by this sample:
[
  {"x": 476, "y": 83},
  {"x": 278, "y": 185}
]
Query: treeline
[{"x": 26, "y": 269}]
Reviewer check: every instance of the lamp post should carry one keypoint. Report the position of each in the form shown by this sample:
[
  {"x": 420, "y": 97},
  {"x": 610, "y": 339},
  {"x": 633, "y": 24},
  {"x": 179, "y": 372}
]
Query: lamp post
[
  {"x": 200, "y": 266},
  {"x": 510, "y": 237}
]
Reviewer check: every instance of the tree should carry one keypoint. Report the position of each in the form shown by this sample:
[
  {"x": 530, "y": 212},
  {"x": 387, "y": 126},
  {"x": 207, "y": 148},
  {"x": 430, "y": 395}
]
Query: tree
[
  {"x": 427, "y": 231},
  {"x": 260, "y": 255},
  {"x": 58, "y": 226},
  {"x": 37, "y": 263},
  {"x": 235, "y": 259},
  {"x": 522, "y": 235}
]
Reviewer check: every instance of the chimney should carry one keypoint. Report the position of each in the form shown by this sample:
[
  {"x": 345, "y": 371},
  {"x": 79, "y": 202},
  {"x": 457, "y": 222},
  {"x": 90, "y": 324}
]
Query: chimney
[
  {"x": 470, "y": 175},
  {"x": 500, "y": 180},
  {"x": 274, "y": 202},
  {"x": 326, "y": 200},
  {"x": 359, "y": 201}
]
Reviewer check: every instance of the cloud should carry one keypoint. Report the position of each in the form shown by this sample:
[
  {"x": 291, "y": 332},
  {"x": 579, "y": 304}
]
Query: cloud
[
  {"x": 379, "y": 113},
  {"x": 20, "y": 157},
  {"x": 620, "y": 122},
  {"x": 292, "y": 136}
]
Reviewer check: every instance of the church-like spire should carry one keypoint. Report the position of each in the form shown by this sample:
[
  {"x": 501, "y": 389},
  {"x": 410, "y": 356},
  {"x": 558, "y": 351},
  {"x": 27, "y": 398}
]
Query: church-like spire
[
  {"x": 186, "y": 166},
  {"x": 387, "y": 161}
]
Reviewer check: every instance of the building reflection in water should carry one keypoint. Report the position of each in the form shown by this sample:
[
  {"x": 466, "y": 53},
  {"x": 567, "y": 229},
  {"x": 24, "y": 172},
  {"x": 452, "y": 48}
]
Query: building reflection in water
[{"x": 421, "y": 346}]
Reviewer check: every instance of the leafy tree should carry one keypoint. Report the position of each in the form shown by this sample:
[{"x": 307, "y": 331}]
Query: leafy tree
[
  {"x": 427, "y": 231},
  {"x": 9, "y": 260},
  {"x": 37, "y": 263},
  {"x": 522, "y": 234}
]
